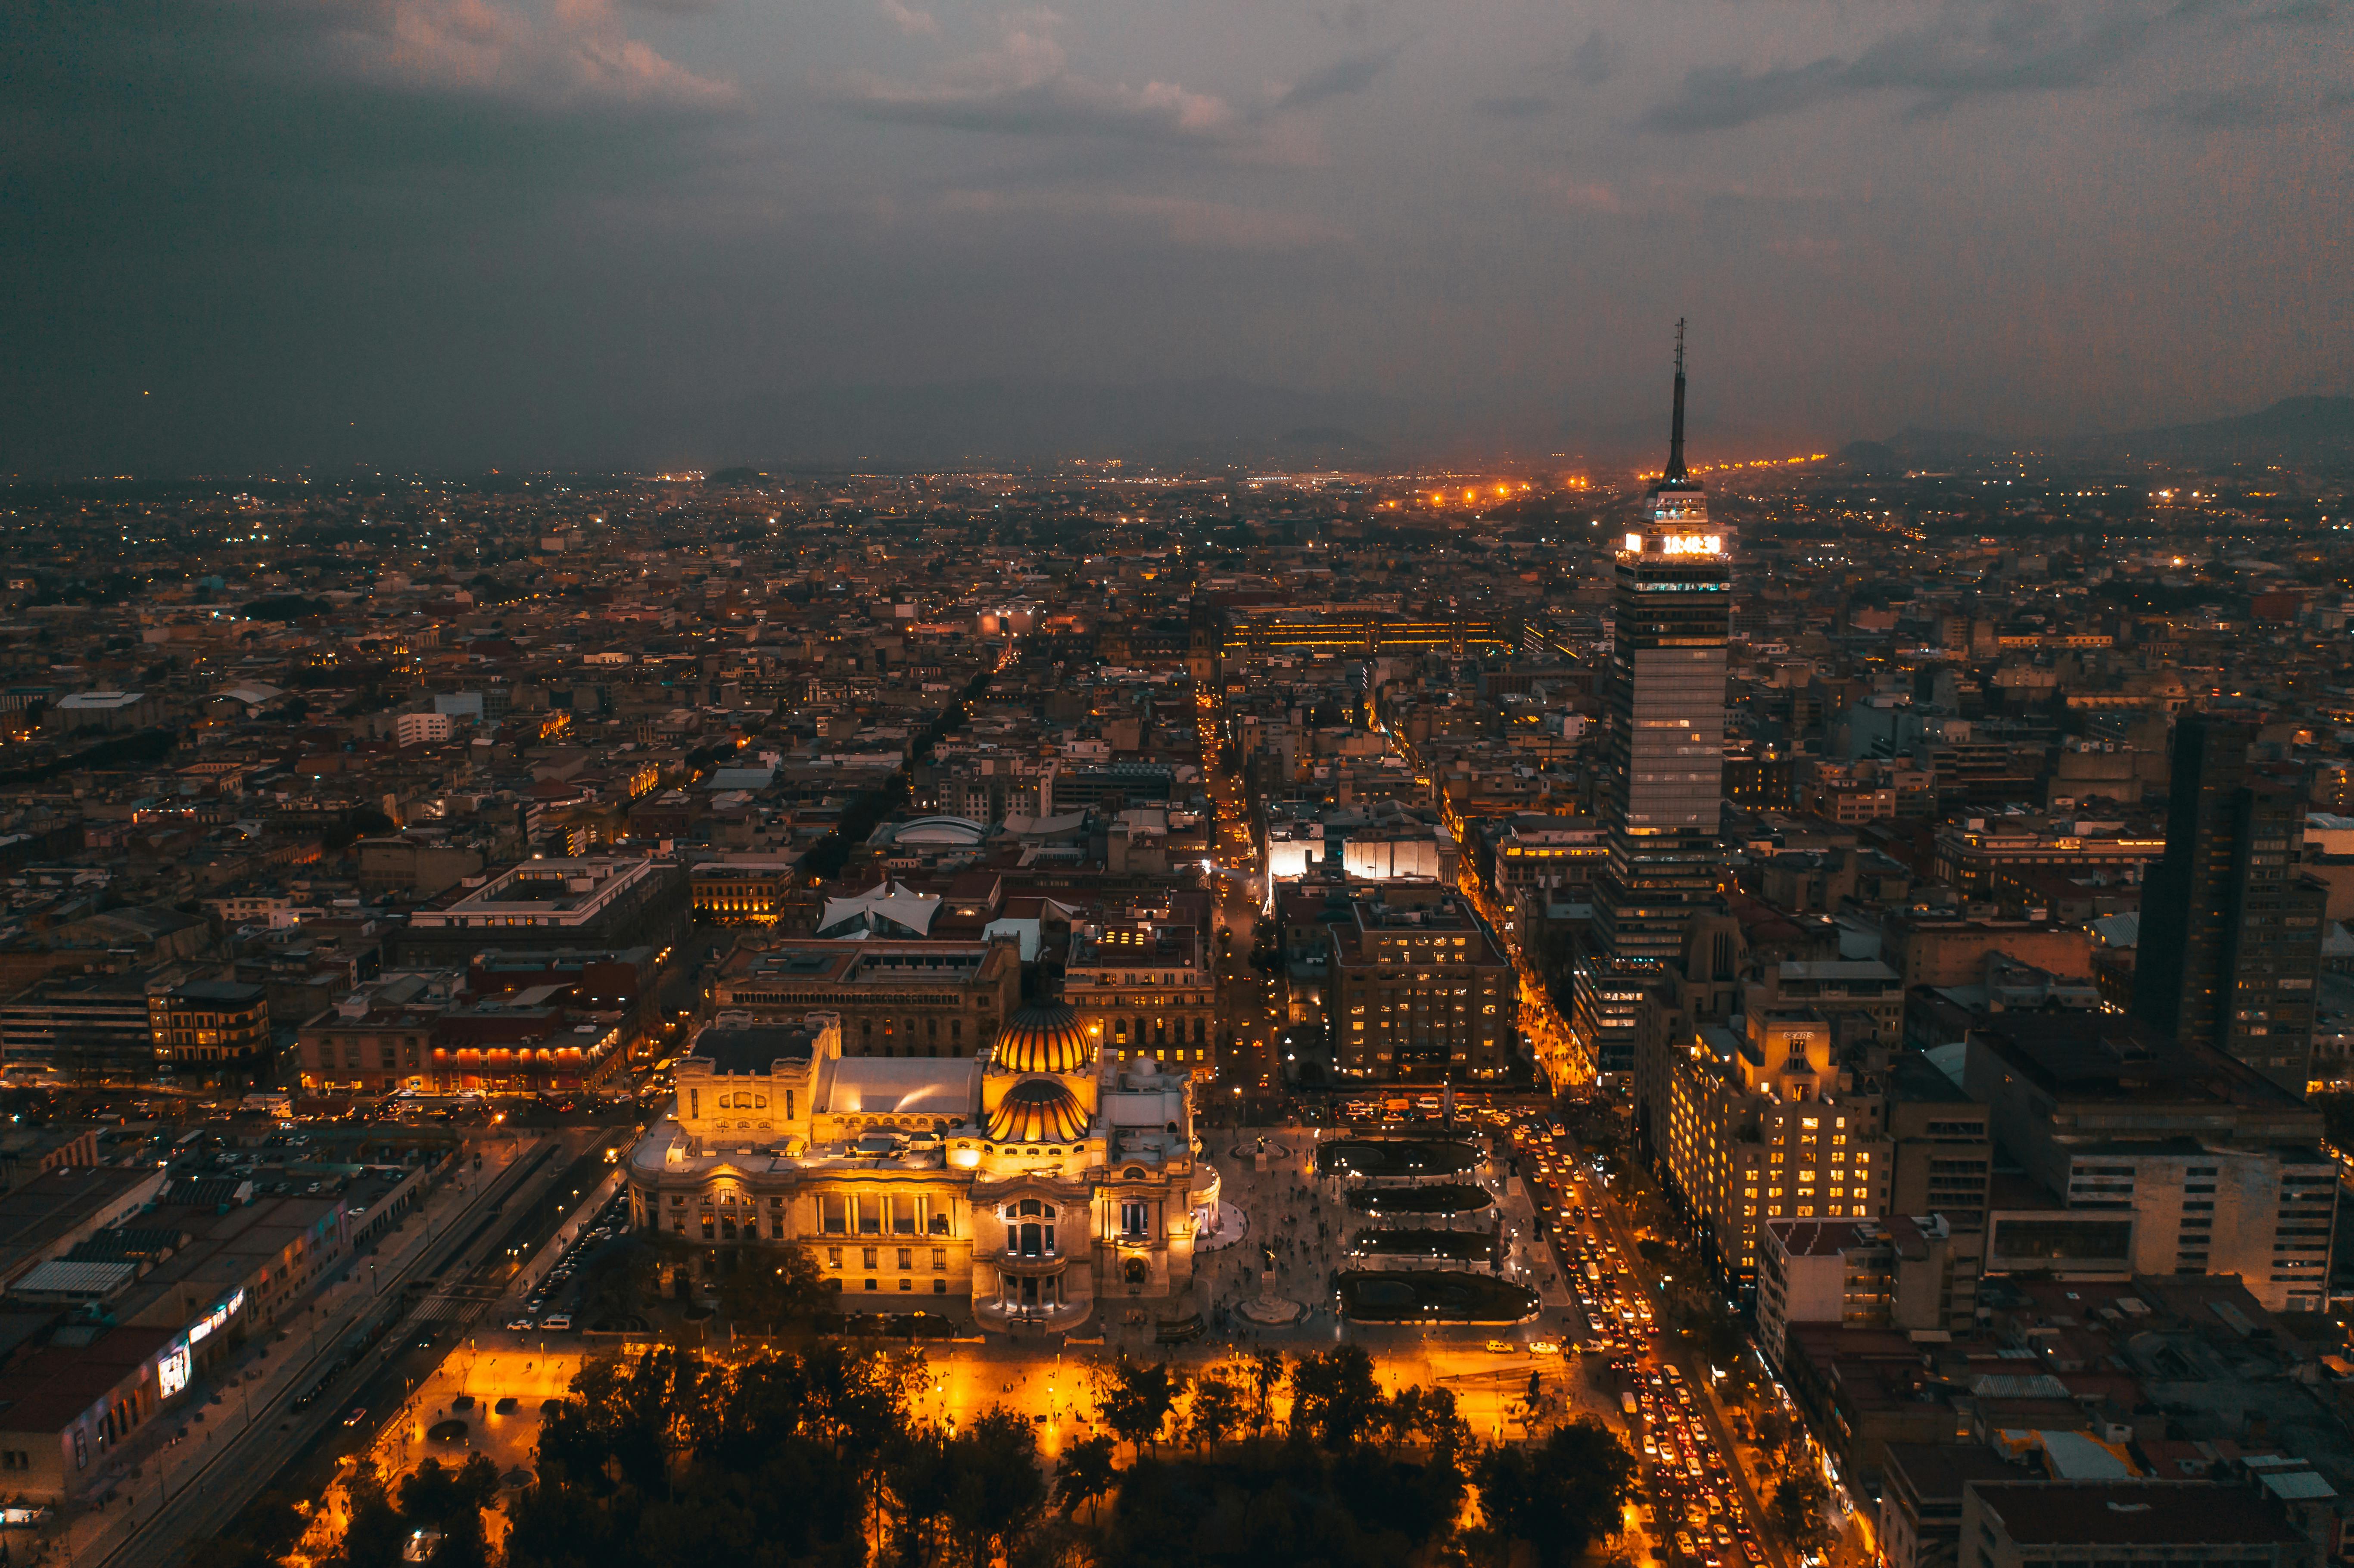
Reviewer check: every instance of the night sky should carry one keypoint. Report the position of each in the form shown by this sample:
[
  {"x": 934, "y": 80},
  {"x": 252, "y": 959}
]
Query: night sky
[{"x": 452, "y": 234}]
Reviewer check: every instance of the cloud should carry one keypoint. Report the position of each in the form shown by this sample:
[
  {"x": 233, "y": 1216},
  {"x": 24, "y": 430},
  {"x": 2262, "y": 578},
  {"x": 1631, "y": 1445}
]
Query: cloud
[
  {"x": 1587, "y": 195},
  {"x": 1595, "y": 59},
  {"x": 554, "y": 52},
  {"x": 1350, "y": 74},
  {"x": 1353, "y": 16},
  {"x": 1185, "y": 221},
  {"x": 2020, "y": 46},
  {"x": 2222, "y": 109},
  {"x": 1806, "y": 247},
  {"x": 2246, "y": 106},
  {"x": 910, "y": 21},
  {"x": 1023, "y": 85}
]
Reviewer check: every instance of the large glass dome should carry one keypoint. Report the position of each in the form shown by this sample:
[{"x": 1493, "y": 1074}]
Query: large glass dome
[
  {"x": 1043, "y": 1037},
  {"x": 1039, "y": 1111}
]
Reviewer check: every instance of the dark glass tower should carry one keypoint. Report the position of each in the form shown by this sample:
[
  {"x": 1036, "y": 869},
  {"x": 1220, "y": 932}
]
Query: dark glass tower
[
  {"x": 1663, "y": 751},
  {"x": 2231, "y": 933}
]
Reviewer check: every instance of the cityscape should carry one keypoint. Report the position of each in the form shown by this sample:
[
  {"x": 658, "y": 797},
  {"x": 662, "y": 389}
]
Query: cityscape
[
  {"x": 1741, "y": 1014},
  {"x": 929, "y": 784}
]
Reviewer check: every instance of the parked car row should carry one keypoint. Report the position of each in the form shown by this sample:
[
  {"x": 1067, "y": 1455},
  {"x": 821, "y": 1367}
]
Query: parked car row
[{"x": 611, "y": 1220}]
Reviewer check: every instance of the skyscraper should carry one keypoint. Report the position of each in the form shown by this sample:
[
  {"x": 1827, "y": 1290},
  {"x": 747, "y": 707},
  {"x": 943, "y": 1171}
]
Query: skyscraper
[
  {"x": 1663, "y": 752},
  {"x": 2230, "y": 933}
]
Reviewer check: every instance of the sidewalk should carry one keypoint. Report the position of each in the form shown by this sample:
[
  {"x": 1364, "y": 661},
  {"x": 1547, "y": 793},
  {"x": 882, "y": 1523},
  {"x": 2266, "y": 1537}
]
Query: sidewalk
[
  {"x": 179, "y": 1446},
  {"x": 551, "y": 1251},
  {"x": 1539, "y": 1266}
]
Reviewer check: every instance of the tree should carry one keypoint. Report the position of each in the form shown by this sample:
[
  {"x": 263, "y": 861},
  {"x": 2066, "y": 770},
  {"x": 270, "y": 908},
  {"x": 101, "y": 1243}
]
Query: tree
[
  {"x": 1797, "y": 1510},
  {"x": 1085, "y": 1474},
  {"x": 1335, "y": 1399},
  {"x": 1217, "y": 1409},
  {"x": 1430, "y": 1416},
  {"x": 434, "y": 1495},
  {"x": 1560, "y": 1496},
  {"x": 1135, "y": 1399},
  {"x": 1266, "y": 1372},
  {"x": 769, "y": 1287},
  {"x": 624, "y": 1277},
  {"x": 373, "y": 1537},
  {"x": 995, "y": 1493}
]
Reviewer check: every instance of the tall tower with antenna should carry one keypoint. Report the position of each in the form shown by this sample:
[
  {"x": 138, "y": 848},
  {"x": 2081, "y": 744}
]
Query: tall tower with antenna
[
  {"x": 1663, "y": 750},
  {"x": 1676, "y": 473}
]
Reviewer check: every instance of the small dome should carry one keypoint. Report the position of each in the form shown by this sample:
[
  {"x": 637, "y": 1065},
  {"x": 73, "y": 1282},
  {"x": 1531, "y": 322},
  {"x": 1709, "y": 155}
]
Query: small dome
[
  {"x": 1038, "y": 1111},
  {"x": 1043, "y": 1037}
]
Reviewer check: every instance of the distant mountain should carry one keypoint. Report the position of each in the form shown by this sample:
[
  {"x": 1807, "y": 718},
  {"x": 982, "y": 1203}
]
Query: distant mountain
[
  {"x": 1326, "y": 441},
  {"x": 1914, "y": 447},
  {"x": 2293, "y": 430},
  {"x": 2298, "y": 430},
  {"x": 1215, "y": 422}
]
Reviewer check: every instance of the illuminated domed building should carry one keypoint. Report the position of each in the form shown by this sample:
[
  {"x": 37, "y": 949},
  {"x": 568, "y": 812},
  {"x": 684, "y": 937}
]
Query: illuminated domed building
[{"x": 1028, "y": 1183}]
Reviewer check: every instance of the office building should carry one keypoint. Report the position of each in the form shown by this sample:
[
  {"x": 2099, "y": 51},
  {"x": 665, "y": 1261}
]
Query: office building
[
  {"x": 1920, "y": 1499},
  {"x": 2109, "y": 1524},
  {"x": 1143, "y": 988},
  {"x": 2230, "y": 932},
  {"x": 896, "y": 998},
  {"x": 598, "y": 901},
  {"x": 1663, "y": 752},
  {"x": 2149, "y": 1156},
  {"x": 1420, "y": 995},
  {"x": 85, "y": 1027}
]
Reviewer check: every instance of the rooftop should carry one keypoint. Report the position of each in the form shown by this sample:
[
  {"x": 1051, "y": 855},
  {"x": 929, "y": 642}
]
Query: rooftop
[{"x": 2133, "y": 1513}]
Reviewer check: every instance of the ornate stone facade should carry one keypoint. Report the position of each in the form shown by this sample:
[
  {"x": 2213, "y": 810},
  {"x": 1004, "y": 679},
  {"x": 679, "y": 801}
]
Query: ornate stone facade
[{"x": 1028, "y": 1185}]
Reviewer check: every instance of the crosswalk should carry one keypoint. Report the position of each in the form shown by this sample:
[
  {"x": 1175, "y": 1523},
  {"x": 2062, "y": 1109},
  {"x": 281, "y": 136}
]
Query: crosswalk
[{"x": 462, "y": 1305}]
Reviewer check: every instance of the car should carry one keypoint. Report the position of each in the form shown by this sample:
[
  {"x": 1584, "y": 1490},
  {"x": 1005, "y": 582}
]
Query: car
[
  {"x": 355, "y": 1415},
  {"x": 558, "y": 1320},
  {"x": 1504, "y": 1346},
  {"x": 1543, "y": 1348},
  {"x": 518, "y": 1325}
]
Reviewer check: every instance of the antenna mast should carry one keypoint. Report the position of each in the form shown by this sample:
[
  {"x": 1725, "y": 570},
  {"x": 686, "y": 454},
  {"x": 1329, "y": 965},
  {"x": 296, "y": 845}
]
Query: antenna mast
[{"x": 1676, "y": 473}]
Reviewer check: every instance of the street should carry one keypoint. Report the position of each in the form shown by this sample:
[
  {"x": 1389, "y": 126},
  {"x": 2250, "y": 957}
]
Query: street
[{"x": 188, "y": 1476}]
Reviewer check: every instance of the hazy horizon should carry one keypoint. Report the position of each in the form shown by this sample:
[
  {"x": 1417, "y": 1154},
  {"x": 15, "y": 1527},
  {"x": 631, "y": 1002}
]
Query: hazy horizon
[{"x": 461, "y": 234}]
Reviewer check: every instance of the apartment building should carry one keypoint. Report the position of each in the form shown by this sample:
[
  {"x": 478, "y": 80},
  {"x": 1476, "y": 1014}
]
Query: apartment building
[
  {"x": 1759, "y": 1125},
  {"x": 1903, "y": 1272}
]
